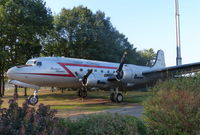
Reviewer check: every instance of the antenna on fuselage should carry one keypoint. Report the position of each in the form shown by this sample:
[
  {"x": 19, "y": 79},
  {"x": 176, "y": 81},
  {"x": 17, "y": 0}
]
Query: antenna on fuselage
[{"x": 178, "y": 40}]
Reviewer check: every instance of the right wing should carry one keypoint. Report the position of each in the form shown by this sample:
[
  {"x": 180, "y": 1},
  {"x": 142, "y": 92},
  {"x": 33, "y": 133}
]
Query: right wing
[{"x": 174, "y": 70}]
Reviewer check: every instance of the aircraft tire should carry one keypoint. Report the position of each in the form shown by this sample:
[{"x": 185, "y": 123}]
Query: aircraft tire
[
  {"x": 33, "y": 100},
  {"x": 119, "y": 98},
  {"x": 112, "y": 97}
]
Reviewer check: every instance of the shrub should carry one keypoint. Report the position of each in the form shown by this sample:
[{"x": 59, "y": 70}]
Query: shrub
[
  {"x": 106, "y": 124},
  {"x": 175, "y": 108},
  {"x": 27, "y": 121}
]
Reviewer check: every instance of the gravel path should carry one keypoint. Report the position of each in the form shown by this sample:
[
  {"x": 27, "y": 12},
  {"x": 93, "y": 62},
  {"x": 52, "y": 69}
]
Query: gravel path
[{"x": 136, "y": 111}]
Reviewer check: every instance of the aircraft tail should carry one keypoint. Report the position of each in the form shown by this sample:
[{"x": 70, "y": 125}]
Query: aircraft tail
[{"x": 160, "y": 60}]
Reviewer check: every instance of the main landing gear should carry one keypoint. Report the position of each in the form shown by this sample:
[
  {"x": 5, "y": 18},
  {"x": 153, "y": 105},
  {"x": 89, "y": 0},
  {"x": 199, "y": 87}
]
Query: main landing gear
[
  {"x": 116, "y": 96},
  {"x": 33, "y": 99},
  {"x": 82, "y": 93}
]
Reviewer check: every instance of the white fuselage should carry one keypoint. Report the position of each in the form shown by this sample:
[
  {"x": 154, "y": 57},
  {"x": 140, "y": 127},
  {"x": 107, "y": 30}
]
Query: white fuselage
[{"x": 66, "y": 72}]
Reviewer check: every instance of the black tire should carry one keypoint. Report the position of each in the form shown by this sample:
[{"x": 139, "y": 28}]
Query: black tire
[
  {"x": 33, "y": 100},
  {"x": 119, "y": 98},
  {"x": 112, "y": 97},
  {"x": 82, "y": 93}
]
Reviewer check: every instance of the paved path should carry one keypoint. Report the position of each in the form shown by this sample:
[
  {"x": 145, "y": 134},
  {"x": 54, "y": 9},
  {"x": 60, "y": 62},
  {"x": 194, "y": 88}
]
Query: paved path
[{"x": 136, "y": 111}]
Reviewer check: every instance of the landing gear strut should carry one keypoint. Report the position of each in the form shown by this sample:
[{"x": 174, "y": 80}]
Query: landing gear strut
[
  {"x": 116, "y": 96},
  {"x": 82, "y": 93},
  {"x": 33, "y": 99}
]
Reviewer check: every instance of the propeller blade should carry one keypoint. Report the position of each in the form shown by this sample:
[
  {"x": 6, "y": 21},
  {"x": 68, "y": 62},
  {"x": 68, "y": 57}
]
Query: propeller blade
[
  {"x": 84, "y": 80},
  {"x": 122, "y": 62},
  {"x": 119, "y": 70}
]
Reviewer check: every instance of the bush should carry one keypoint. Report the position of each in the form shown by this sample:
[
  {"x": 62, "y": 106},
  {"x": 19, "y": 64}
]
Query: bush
[
  {"x": 175, "y": 108},
  {"x": 106, "y": 124},
  {"x": 27, "y": 121}
]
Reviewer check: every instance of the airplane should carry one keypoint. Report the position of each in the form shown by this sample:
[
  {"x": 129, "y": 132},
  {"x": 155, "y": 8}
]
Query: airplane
[{"x": 64, "y": 72}]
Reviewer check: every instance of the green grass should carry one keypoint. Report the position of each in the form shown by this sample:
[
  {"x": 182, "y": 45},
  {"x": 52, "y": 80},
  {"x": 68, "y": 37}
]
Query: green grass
[{"x": 68, "y": 102}]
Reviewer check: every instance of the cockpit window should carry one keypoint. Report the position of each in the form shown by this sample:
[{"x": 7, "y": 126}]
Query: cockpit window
[
  {"x": 34, "y": 62},
  {"x": 31, "y": 62},
  {"x": 39, "y": 63}
]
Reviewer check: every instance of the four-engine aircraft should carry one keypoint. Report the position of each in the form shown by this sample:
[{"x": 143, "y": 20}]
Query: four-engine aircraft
[{"x": 64, "y": 72}]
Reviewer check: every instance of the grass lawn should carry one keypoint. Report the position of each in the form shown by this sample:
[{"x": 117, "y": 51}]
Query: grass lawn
[{"x": 68, "y": 103}]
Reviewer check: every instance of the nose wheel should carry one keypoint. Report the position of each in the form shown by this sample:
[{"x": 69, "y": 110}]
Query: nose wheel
[{"x": 33, "y": 99}]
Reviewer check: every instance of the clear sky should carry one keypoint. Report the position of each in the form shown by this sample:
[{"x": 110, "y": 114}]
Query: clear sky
[{"x": 149, "y": 23}]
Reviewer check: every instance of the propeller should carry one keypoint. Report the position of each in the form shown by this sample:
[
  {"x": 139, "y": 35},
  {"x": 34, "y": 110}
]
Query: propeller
[
  {"x": 119, "y": 70},
  {"x": 85, "y": 77}
]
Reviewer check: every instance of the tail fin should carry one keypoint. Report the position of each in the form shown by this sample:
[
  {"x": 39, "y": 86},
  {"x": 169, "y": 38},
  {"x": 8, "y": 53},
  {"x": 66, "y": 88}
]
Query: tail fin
[{"x": 160, "y": 60}]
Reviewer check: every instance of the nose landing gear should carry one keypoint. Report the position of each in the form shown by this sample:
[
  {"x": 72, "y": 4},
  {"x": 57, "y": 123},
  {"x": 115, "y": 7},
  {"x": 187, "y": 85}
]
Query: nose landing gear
[{"x": 33, "y": 99}]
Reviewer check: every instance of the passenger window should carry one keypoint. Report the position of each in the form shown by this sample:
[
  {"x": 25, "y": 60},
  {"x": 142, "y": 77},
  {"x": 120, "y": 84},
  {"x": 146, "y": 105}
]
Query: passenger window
[
  {"x": 39, "y": 63},
  {"x": 101, "y": 71},
  {"x": 95, "y": 70},
  {"x": 81, "y": 69}
]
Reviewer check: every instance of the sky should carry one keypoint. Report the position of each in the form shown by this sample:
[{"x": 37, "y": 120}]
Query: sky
[{"x": 149, "y": 23}]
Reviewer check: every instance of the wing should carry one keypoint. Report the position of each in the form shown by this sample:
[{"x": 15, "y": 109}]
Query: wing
[{"x": 174, "y": 70}]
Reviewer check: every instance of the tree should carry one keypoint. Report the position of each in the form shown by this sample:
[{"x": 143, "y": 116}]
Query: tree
[
  {"x": 23, "y": 25},
  {"x": 146, "y": 57},
  {"x": 82, "y": 34}
]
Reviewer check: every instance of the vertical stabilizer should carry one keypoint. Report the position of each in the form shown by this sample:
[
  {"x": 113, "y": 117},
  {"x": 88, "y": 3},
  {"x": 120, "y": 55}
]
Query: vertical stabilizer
[{"x": 160, "y": 60}]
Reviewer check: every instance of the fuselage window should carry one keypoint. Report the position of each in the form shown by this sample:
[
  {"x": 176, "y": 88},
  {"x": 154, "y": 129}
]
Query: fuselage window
[
  {"x": 39, "y": 63},
  {"x": 95, "y": 70},
  {"x": 108, "y": 71},
  {"x": 113, "y": 71},
  {"x": 101, "y": 71},
  {"x": 81, "y": 69}
]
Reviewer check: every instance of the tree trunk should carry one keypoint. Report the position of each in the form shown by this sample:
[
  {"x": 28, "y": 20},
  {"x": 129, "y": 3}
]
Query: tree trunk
[
  {"x": 62, "y": 90},
  {"x": 0, "y": 82},
  {"x": 25, "y": 92},
  {"x": 3, "y": 86},
  {"x": 15, "y": 96},
  {"x": 0, "y": 86}
]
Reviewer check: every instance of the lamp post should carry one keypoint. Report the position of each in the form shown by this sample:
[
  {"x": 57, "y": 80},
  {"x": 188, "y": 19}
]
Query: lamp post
[{"x": 178, "y": 41}]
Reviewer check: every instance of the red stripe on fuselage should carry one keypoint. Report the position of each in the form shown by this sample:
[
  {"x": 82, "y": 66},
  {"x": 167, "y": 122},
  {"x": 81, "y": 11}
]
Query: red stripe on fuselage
[
  {"x": 61, "y": 75},
  {"x": 70, "y": 74},
  {"x": 85, "y": 65}
]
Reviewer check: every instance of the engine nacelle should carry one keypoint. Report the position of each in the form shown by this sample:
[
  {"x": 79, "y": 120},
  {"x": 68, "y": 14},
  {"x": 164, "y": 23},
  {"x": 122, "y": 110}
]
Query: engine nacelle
[
  {"x": 128, "y": 75},
  {"x": 93, "y": 81}
]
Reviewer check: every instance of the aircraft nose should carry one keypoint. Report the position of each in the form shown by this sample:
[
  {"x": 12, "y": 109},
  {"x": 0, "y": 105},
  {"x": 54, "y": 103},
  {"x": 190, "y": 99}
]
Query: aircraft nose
[{"x": 11, "y": 72}]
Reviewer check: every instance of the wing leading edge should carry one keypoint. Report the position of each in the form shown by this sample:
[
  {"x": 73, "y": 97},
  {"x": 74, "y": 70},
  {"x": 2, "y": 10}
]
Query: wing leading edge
[{"x": 174, "y": 70}]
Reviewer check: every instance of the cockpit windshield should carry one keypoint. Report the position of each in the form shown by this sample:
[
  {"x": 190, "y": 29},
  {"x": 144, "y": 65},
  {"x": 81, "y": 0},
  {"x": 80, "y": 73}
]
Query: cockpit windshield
[
  {"x": 34, "y": 62},
  {"x": 31, "y": 62}
]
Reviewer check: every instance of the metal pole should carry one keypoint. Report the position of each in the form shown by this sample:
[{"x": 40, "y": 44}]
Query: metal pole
[{"x": 178, "y": 40}]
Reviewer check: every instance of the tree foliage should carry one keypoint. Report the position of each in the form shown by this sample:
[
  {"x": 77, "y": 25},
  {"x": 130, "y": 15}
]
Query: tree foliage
[
  {"x": 23, "y": 23},
  {"x": 146, "y": 57},
  {"x": 81, "y": 33}
]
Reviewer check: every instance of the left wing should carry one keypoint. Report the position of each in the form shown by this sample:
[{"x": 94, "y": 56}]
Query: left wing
[{"x": 174, "y": 70}]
